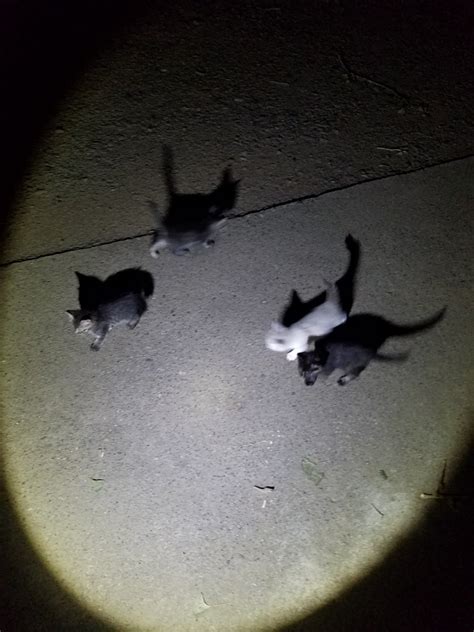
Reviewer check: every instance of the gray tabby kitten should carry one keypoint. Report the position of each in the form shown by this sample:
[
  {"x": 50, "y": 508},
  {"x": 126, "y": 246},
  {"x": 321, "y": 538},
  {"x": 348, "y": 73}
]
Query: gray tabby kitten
[{"x": 120, "y": 299}]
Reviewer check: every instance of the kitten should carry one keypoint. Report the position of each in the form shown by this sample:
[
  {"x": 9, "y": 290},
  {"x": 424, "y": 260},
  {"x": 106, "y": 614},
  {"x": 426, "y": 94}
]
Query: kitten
[
  {"x": 121, "y": 298},
  {"x": 350, "y": 358},
  {"x": 319, "y": 322},
  {"x": 191, "y": 219},
  {"x": 318, "y": 316},
  {"x": 354, "y": 344}
]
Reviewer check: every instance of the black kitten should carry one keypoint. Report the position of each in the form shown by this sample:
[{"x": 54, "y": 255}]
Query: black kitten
[
  {"x": 191, "y": 219},
  {"x": 351, "y": 346},
  {"x": 121, "y": 298},
  {"x": 350, "y": 358}
]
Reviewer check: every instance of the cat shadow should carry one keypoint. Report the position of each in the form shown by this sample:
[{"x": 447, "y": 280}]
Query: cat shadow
[
  {"x": 371, "y": 331},
  {"x": 186, "y": 209},
  {"x": 94, "y": 292},
  {"x": 297, "y": 309}
]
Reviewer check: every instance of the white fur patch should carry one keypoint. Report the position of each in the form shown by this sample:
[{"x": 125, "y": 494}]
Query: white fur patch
[{"x": 321, "y": 321}]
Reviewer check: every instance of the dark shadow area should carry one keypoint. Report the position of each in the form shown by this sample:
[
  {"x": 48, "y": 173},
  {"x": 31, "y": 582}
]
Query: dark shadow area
[
  {"x": 93, "y": 292},
  {"x": 426, "y": 583},
  {"x": 44, "y": 49},
  {"x": 31, "y": 599},
  {"x": 298, "y": 309},
  {"x": 191, "y": 218},
  {"x": 190, "y": 206}
]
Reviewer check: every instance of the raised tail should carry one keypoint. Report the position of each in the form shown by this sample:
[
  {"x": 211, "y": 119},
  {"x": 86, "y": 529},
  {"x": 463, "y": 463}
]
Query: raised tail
[
  {"x": 353, "y": 246},
  {"x": 168, "y": 171},
  {"x": 408, "y": 330},
  {"x": 346, "y": 284}
]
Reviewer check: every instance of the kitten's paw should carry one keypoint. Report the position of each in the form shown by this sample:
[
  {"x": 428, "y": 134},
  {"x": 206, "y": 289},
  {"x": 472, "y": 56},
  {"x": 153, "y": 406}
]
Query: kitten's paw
[
  {"x": 95, "y": 346},
  {"x": 292, "y": 355},
  {"x": 209, "y": 243},
  {"x": 132, "y": 324},
  {"x": 154, "y": 253},
  {"x": 342, "y": 381}
]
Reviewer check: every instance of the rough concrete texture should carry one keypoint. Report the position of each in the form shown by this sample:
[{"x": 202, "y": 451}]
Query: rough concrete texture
[
  {"x": 299, "y": 97},
  {"x": 134, "y": 471},
  {"x": 178, "y": 421}
]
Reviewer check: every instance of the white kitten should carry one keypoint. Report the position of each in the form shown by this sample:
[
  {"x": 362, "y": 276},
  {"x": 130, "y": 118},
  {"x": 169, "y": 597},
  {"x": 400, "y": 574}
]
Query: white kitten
[{"x": 321, "y": 321}]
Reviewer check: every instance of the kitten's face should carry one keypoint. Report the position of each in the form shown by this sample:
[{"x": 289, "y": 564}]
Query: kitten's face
[
  {"x": 82, "y": 322},
  {"x": 84, "y": 325},
  {"x": 278, "y": 338},
  {"x": 281, "y": 338},
  {"x": 309, "y": 366}
]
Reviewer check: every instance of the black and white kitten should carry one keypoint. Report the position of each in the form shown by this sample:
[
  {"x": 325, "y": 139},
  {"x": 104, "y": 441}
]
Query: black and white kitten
[
  {"x": 354, "y": 344},
  {"x": 320, "y": 321},
  {"x": 303, "y": 320},
  {"x": 120, "y": 299},
  {"x": 191, "y": 219}
]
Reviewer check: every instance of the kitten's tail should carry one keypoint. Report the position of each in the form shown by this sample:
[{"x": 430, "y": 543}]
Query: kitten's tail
[
  {"x": 168, "y": 171},
  {"x": 346, "y": 283},
  {"x": 353, "y": 246},
  {"x": 408, "y": 330},
  {"x": 392, "y": 357}
]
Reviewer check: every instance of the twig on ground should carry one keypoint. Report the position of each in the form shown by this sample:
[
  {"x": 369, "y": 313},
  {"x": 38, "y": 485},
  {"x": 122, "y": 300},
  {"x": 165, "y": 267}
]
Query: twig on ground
[
  {"x": 377, "y": 510},
  {"x": 440, "y": 494}
]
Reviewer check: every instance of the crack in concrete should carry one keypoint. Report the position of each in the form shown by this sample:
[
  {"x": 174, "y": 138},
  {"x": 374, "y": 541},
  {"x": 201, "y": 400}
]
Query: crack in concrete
[
  {"x": 270, "y": 207},
  {"x": 351, "y": 75}
]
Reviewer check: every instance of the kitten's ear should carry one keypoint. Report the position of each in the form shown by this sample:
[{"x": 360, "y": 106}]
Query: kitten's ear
[
  {"x": 73, "y": 313},
  {"x": 80, "y": 276}
]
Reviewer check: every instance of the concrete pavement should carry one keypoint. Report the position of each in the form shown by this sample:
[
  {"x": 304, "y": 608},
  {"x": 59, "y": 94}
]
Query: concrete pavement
[
  {"x": 131, "y": 478},
  {"x": 300, "y": 99},
  {"x": 135, "y": 469}
]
